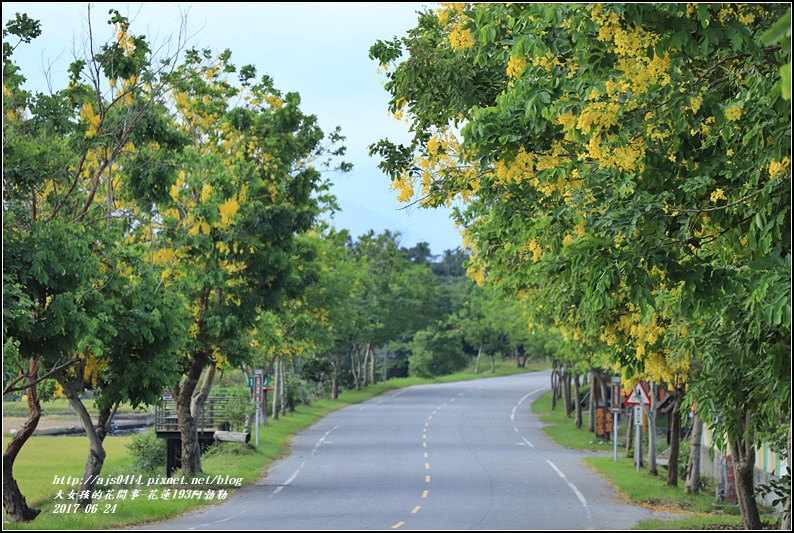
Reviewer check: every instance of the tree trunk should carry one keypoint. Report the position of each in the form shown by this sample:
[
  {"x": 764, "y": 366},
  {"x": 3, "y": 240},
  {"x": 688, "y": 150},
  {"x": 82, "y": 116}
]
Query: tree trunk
[
  {"x": 520, "y": 355},
  {"x": 263, "y": 409},
  {"x": 566, "y": 390},
  {"x": 96, "y": 451},
  {"x": 302, "y": 390},
  {"x": 675, "y": 438},
  {"x": 591, "y": 406},
  {"x": 14, "y": 502},
  {"x": 554, "y": 383},
  {"x": 337, "y": 371},
  {"x": 693, "y": 467},
  {"x": 198, "y": 400},
  {"x": 601, "y": 379},
  {"x": 365, "y": 368},
  {"x": 651, "y": 412},
  {"x": 289, "y": 396},
  {"x": 386, "y": 363},
  {"x": 355, "y": 367},
  {"x": 372, "y": 364},
  {"x": 479, "y": 355},
  {"x": 785, "y": 522},
  {"x": 743, "y": 454},
  {"x": 282, "y": 376},
  {"x": 277, "y": 392},
  {"x": 577, "y": 401},
  {"x": 629, "y": 430},
  {"x": 188, "y": 427}
]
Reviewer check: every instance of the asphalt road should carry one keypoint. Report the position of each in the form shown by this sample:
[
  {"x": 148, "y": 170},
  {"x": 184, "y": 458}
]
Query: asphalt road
[{"x": 456, "y": 456}]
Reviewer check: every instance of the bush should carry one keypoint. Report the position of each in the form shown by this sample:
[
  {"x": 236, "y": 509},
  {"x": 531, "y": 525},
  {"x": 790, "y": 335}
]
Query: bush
[{"x": 149, "y": 453}]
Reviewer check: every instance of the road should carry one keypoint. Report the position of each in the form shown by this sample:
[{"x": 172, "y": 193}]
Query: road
[{"x": 455, "y": 456}]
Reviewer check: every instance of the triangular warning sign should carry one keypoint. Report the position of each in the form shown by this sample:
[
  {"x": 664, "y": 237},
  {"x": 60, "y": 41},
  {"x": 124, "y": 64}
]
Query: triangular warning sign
[{"x": 639, "y": 395}]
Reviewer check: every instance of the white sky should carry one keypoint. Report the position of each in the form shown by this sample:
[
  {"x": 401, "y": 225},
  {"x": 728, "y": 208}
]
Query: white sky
[{"x": 319, "y": 50}]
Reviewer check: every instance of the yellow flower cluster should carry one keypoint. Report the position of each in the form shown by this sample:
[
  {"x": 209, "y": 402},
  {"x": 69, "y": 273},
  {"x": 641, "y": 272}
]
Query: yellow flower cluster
[
  {"x": 547, "y": 62},
  {"x": 93, "y": 369},
  {"x": 534, "y": 247},
  {"x": 516, "y": 66},
  {"x": 642, "y": 334},
  {"x": 460, "y": 38},
  {"x": 740, "y": 12},
  {"x": 642, "y": 73},
  {"x": 87, "y": 115},
  {"x": 776, "y": 167},
  {"x": 125, "y": 41},
  {"x": 733, "y": 113},
  {"x": 228, "y": 210},
  {"x": 718, "y": 194},
  {"x": 404, "y": 185},
  {"x": 399, "y": 107},
  {"x": 597, "y": 117}
]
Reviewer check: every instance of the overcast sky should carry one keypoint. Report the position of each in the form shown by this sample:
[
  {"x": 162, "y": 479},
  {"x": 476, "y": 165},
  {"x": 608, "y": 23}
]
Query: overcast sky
[{"x": 319, "y": 50}]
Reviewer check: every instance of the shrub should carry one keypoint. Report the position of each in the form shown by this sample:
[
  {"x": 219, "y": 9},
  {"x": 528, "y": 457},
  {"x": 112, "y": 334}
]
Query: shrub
[{"x": 148, "y": 452}]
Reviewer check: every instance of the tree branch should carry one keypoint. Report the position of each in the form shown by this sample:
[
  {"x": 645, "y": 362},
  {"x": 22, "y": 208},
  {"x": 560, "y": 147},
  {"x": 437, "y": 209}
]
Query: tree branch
[{"x": 12, "y": 388}]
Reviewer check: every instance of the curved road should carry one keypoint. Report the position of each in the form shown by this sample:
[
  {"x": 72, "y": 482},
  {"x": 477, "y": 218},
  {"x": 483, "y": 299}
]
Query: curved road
[{"x": 464, "y": 455}]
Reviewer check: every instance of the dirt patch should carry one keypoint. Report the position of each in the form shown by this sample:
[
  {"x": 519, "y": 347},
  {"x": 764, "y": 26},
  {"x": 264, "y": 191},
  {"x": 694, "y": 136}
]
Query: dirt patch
[{"x": 14, "y": 423}]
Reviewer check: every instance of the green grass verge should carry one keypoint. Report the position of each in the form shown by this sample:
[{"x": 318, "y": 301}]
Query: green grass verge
[
  {"x": 698, "y": 510},
  {"x": 43, "y": 458}
]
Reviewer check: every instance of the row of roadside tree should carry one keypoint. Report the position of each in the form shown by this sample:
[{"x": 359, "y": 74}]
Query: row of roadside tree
[{"x": 625, "y": 171}]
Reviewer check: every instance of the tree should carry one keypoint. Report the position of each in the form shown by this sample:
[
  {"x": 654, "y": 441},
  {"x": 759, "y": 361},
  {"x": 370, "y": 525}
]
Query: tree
[
  {"x": 612, "y": 151},
  {"x": 70, "y": 177},
  {"x": 248, "y": 184},
  {"x": 398, "y": 297}
]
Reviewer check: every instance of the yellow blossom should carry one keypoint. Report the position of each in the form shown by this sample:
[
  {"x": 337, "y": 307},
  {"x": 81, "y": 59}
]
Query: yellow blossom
[
  {"x": 733, "y": 113},
  {"x": 228, "y": 209},
  {"x": 776, "y": 167},
  {"x": 516, "y": 66}
]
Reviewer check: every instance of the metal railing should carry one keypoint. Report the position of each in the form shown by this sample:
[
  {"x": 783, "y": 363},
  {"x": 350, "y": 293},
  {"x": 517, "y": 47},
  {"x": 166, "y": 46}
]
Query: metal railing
[{"x": 212, "y": 417}]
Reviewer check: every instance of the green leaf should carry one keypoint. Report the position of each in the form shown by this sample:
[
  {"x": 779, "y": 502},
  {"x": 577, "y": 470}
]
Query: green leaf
[
  {"x": 785, "y": 81},
  {"x": 779, "y": 31}
]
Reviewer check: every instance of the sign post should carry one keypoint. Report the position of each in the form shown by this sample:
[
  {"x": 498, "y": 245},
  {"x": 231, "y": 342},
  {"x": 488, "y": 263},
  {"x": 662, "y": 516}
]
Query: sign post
[
  {"x": 614, "y": 404},
  {"x": 638, "y": 397},
  {"x": 258, "y": 385}
]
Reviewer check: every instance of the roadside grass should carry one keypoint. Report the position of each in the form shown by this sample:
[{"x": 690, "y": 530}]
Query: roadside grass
[
  {"x": 698, "y": 511},
  {"x": 66, "y": 456}
]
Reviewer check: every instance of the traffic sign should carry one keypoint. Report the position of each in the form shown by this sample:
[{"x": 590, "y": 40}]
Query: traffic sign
[{"x": 639, "y": 396}]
